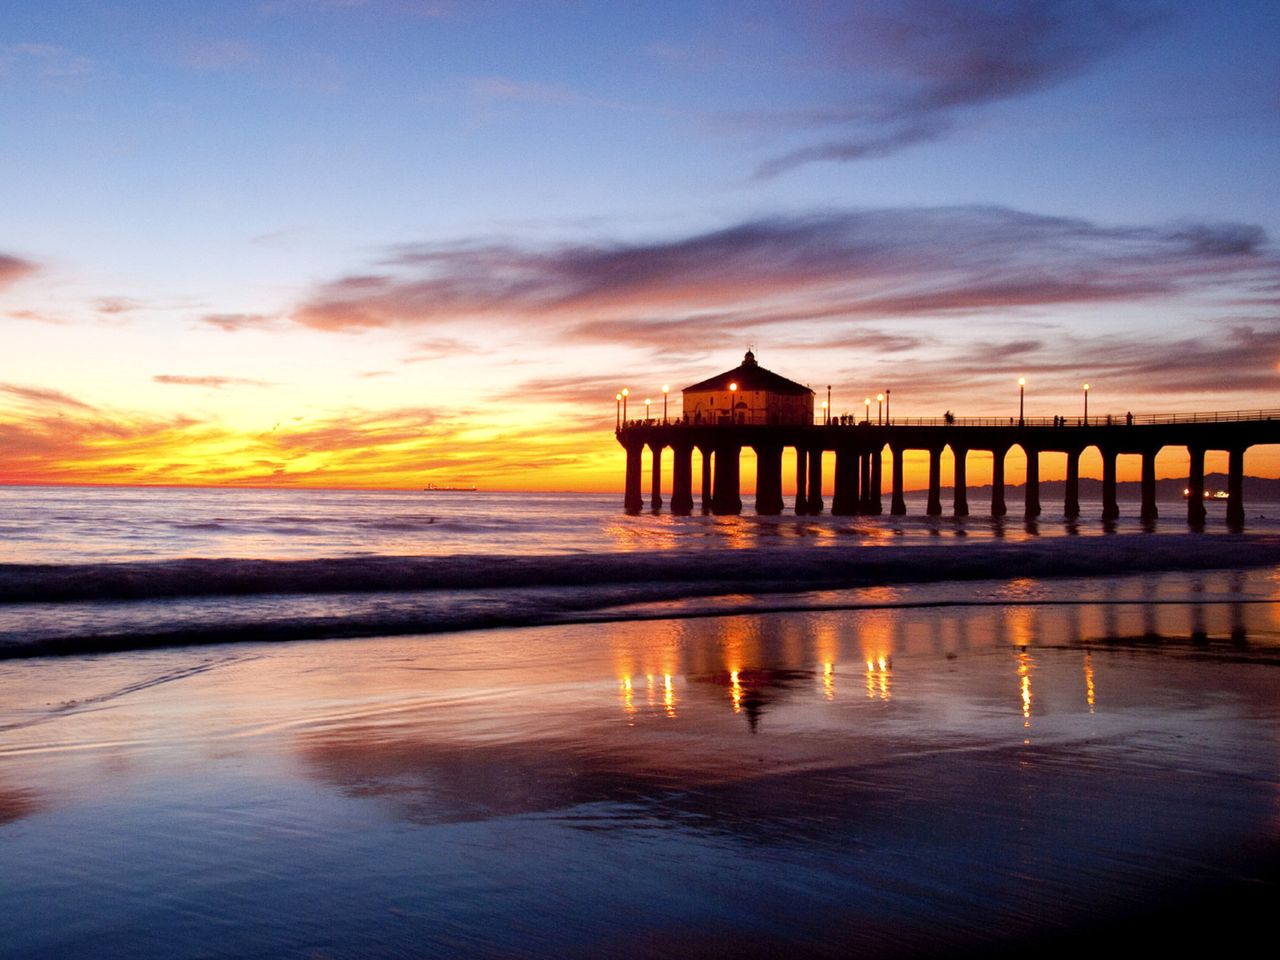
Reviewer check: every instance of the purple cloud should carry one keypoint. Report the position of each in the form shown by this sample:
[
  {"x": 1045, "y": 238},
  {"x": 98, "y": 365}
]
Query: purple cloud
[
  {"x": 948, "y": 57},
  {"x": 13, "y": 269},
  {"x": 863, "y": 266}
]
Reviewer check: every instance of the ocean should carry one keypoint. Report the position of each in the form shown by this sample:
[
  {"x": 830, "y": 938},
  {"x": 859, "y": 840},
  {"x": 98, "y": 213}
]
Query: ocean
[
  {"x": 96, "y": 569},
  {"x": 282, "y": 723}
]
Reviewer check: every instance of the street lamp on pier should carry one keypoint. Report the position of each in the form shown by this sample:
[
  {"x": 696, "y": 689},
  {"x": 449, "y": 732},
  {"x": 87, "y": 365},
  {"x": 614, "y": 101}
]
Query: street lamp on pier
[
  {"x": 1086, "y": 404},
  {"x": 733, "y": 402},
  {"x": 1022, "y": 396},
  {"x": 617, "y": 412},
  {"x": 867, "y": 404},
  {"x": 879, "y": 409},
  {"x": 666, "y": 388},
  {"x": 647, "y": 401},
  {"x": 824, "y": 413},
  {"x": 886, "y": 407},
  {"x": 625, "y": 393}
]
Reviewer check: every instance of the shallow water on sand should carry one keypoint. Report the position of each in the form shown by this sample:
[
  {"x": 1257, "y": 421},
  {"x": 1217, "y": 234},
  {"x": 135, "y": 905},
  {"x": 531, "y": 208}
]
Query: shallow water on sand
[{"x": 880, "y": 782}]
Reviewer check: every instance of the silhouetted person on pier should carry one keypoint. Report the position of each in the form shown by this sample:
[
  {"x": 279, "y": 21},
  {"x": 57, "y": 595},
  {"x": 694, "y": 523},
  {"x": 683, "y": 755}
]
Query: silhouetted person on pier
[{"x": 1128, "y": 419}]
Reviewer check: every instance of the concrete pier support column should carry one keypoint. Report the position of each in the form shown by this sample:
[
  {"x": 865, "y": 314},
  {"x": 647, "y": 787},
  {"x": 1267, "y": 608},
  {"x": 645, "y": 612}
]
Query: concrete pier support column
[
  {"x": 897, "y": 506},
  {"x": 802, "y": 482},
  {"x": 845, "y": 496},
  {"x": 1235, "y": 487},
  {"x": 1110, "y": 508},
  {"x": 998, "y": 508},
  {"x": 877, "y": 482},
  {"x": 961, "y": 506},
  {"x": 655, "y": 485},
  {"x": 1071, "y": 503},
  {"x": 1033, "y": 484},
  {"x": 682, "y": 480},
  {"x": 769, "y": 481},
  {"x": 1149, "y": 511},
  {"x": 934, "y": 509},
  {"x": 815, "y": 481},
  {"x": 633, "y": 500},
  {"x": 708, "y": 472},
  {"x": 726, "y": 497},
  {"x": 1195, "y": 488}
]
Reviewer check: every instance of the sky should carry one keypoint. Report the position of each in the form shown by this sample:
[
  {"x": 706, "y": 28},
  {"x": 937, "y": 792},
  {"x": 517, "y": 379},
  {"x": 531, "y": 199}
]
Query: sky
[{"x": 385, "y": 243}]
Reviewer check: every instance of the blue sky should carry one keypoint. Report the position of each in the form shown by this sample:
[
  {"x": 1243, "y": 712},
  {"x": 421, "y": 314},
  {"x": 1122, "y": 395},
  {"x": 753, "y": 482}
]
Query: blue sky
[{"x": 453, "y": 213}]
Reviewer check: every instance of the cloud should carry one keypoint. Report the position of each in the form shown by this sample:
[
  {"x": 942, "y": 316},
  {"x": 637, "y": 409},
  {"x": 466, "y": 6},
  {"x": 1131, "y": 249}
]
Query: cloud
[
  {"x": 232, "y": 322},
  {"x": 44, "y": 398},
  {"x": 216, "y": 383},
  {"x": 43, "y": 61},
  {"x": 866, "y": 147},
  {"x": 1239, "y": 358},
  {"x": 54, "y": 438},
  {"x": 852, "y": 270},
  {"x": 944, "y": 58},
  {"x": 492, "y": 90},
  {"x": 13, "y": 269},
  {"x": 117, "y": 305}
]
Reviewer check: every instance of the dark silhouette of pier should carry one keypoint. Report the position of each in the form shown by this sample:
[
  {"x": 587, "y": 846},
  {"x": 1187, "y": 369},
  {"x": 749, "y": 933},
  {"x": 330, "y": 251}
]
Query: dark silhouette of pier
[{"x": 858, "y": 449}]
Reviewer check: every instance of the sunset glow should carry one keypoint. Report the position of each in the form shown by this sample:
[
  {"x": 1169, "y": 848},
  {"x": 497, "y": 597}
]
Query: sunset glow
[{"x": 385, "y": 244}]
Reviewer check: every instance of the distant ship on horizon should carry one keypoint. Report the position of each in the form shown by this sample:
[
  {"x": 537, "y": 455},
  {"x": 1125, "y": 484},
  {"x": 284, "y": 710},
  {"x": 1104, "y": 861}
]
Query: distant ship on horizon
[{"x": 444, "y": 488}]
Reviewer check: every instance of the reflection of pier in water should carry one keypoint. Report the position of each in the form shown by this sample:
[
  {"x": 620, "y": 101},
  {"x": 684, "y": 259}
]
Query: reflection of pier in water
[
  {"x": 859, "y": 449},
  {"x": 764, "y": 665}
]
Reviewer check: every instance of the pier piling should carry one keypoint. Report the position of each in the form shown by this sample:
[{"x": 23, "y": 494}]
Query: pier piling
[{"x": 859, "y": 448}]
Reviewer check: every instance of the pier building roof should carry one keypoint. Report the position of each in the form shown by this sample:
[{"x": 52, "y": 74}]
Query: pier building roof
[{"x": 749, "y": 375}]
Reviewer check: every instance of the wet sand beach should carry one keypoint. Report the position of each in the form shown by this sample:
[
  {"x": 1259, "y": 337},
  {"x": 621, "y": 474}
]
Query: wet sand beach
[{"x": 1057, "y": 764}]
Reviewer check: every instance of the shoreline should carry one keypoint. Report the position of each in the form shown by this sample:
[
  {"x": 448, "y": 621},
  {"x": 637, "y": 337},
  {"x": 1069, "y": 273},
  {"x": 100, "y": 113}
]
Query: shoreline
[{"x": 892, "y": 781}]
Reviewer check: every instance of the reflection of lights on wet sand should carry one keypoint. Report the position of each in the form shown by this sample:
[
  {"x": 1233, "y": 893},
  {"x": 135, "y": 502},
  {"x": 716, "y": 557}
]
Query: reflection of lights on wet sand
[
  {"x": 878, "y": 678},
  {"x": 735, "y": 691},
  {"x": 628, "y": 696},
  {"x": 829, "y": 680},
  {"x": 650, "y": 694},
  {"x": 668, "y": 695},
  {"x": 1088, "y": 681},
  {"x": 1024, "y": 672},
  {"x": 1020, "y": 623}
]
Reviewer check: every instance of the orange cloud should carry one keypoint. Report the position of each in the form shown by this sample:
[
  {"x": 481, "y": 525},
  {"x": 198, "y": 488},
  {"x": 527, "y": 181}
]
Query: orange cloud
[{"x": 49, "y": 437}]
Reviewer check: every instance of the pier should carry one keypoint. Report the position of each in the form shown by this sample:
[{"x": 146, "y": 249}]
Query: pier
[{"x": 858, "y": 450}]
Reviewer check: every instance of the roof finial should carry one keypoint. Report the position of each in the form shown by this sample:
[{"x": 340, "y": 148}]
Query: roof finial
[{"x": 750, "y": 359}]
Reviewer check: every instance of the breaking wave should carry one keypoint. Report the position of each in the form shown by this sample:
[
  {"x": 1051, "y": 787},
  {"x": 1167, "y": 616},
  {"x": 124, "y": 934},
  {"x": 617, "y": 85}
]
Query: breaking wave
[{"x": 48, "y": 609}]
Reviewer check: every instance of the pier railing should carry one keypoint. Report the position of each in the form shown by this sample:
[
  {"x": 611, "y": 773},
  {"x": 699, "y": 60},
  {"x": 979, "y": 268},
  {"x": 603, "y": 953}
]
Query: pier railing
[{"x": 1093, "y": 420}]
